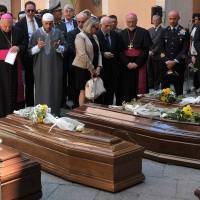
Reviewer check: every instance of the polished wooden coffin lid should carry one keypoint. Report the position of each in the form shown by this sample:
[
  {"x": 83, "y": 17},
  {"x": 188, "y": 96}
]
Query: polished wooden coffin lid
[
  {"x": 13, "y": 165},
  {"x": 164, "y": 140},
  {"x": 163, "y": 128},
  {"x": 91, "y": 141},
  {"x": 7, "y": 153},
  {"x": 92, "y": 157}
]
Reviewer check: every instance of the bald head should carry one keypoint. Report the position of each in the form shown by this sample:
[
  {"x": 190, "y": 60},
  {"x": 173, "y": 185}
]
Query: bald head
[
  {"x": 131, "y": 20},
  {"x": 106, "y": 24},
  {"x": 81, "y": 18},
  {"x": 173, "y": 18}
]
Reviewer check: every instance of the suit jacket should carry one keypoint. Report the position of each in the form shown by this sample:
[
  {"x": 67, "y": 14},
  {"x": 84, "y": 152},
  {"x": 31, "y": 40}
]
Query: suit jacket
[
  {"x": 113, "y": 48},
  {"x": 174, "y": 46},
  {"x": 71, "y": 41},
  {"x": 71, "y": 51},
  {"x": 85, "y": 52},
  {"x": 22, "y": 24},
  {"x": 74, "y": 23},
  {"x": 197, "y": 41},
  {"x": 155, "y": 37}
]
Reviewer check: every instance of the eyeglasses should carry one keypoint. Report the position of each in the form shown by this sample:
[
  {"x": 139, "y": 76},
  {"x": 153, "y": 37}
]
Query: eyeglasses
[{"x": 30, "y": 10}]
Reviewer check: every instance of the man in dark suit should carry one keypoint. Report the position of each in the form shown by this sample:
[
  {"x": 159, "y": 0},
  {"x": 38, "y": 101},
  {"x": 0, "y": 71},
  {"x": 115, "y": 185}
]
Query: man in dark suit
[
  {"x": 197, "y": 48},
  {"x": 109, "y": 46},
  {"x": 174, "y": 49},
  {"x": 70, "y": 25},
  {"x": 154, "y": 61},
  {"x": 80, "y": 18},
  {"x": 29, "y": 25}
]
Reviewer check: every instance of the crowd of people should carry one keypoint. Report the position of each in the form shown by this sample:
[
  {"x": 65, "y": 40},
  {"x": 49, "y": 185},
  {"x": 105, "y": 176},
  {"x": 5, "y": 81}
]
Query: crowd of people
[{"x": 58, "y": 52}]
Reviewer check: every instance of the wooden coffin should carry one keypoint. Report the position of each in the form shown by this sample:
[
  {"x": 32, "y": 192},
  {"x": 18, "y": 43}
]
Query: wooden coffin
[
  {"x": 20, "y": 177},
  {"x": 164, "y": 141},
  {"x": 92, "y": 157},
  {"x": 146, "y": 99}
]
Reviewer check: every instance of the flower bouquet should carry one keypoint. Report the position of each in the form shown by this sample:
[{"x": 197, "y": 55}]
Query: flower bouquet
[
  {"x": 147, "y": 110},
  {"x": 184, "y": 114},
  {"x": 167, "y": 95},
  {"x": 35, "y": 114},
  {"x": 42, "y": 114}
]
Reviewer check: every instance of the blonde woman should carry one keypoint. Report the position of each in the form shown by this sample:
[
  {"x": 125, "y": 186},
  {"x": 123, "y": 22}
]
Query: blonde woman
[{"x": 88, "y": 59}]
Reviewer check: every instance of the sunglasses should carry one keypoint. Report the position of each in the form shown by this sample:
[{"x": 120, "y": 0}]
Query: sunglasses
[{"x": 30, "y": 10}]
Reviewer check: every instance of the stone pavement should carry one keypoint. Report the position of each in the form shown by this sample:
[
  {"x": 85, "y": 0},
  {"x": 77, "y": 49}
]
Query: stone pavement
[{"x": 163, "y": 182}]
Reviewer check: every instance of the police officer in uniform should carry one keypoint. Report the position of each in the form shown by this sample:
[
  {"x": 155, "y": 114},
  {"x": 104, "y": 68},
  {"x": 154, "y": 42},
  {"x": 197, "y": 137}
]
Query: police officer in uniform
[
  {"x": 174, "y": 49},
  {"x": 56, "y": 11}
]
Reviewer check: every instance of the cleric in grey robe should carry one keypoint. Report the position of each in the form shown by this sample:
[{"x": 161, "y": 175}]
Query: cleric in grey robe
[{"x": 47, "y": 46}]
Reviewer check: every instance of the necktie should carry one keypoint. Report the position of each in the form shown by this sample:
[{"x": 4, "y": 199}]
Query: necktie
[
  {"x": 108, "y": 40},
  {"x": 33, "y": 26}
]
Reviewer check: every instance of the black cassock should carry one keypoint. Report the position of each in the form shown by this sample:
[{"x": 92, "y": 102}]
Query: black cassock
[
  {"x": 134, "y": 48},
  {"x": 8, "y": 73}
]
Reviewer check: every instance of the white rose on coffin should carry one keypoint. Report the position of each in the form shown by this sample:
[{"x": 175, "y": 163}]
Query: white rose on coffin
[{"x": 182, "y": 32}]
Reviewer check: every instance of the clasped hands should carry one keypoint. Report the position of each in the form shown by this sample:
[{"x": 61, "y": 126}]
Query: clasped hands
[
  {"x": 170, "y": 64},
  {"x": 108, "y": 55},
  {"x": 132, "y": 65},
  {"x": 95, "y": 72}
]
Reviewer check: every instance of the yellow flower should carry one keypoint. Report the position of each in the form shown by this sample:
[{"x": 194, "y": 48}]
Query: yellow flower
[
  {"x": 40, "y": 120},
  {"x": 44, "y": 108},
  {"x": 187, "y": 110},
  {"x": 163, "y": 98},
  {"x": 166, "y": 91}
]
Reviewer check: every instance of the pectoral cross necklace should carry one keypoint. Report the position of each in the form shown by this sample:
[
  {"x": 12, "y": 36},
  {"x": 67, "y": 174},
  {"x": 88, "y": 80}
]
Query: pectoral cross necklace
[{"x": 130, "y": 46}]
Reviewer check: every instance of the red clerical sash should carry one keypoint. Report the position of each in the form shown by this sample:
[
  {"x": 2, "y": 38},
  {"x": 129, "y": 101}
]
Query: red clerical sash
[
  {"x": 3, "y": 54},
  {"x": 142, "y": 80},
  {"x": 132, "y": 52}
]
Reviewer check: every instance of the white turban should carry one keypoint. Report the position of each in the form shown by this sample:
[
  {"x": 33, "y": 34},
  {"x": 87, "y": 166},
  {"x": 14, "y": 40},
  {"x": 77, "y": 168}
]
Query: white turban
[{"x": 48, "y": 17}]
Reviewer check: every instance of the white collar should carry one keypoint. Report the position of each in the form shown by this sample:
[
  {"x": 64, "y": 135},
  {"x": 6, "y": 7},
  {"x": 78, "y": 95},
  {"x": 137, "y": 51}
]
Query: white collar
[
  {"x": 68, "y": 21},
  {"x": 28, "y": 19}
]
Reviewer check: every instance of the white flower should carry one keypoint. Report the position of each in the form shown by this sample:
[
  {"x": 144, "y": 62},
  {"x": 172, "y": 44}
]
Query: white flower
[
  {"x": 79, "y": 128},
  {"x": 182, "y": 32},
  {"x": 163, "y": 115}
]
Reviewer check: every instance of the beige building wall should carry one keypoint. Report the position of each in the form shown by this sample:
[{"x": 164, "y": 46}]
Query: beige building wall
[
  {"x": 196, "y": 6},
  {"x": 40, "y": 4},
  {"x": 185, "y": 9},
  {"x": 121, "y": 7}
]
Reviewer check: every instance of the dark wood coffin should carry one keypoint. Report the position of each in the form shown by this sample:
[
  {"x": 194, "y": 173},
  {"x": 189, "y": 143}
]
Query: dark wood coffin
[
  {"x": 20, "y": 177},
  {"x": 92, "y": 157},
  {"x": 164, "y": 141}
]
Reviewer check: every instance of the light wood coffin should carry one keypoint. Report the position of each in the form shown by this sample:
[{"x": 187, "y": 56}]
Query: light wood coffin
[
  {"x": 20, "y": 177},
  {"x": 93, "y": 157},
  {"x": 164, "y": 141}
]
